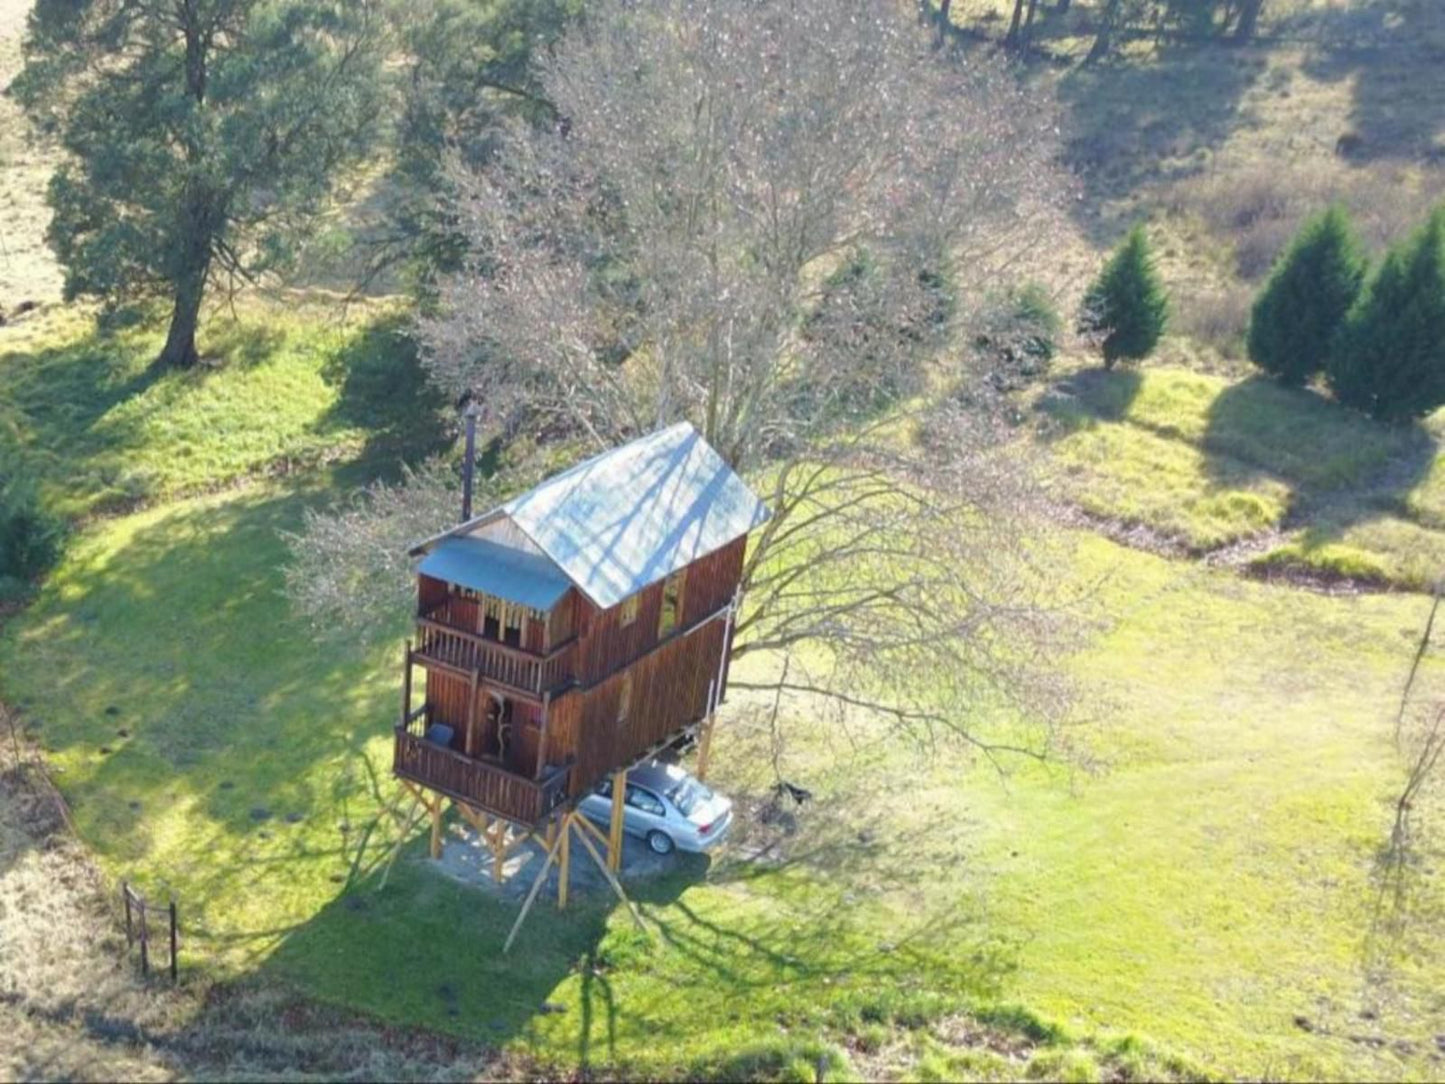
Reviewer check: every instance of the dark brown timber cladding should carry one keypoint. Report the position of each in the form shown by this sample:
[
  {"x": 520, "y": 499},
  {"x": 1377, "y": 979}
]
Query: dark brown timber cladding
[
  {"x": 608, "y": 645},
  {"x": 669, "y": 692}
]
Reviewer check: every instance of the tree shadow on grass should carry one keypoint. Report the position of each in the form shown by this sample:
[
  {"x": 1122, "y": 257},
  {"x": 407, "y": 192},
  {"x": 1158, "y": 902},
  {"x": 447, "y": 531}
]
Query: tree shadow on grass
[
  {"x": 1332, "y": 459},
  {"x": 1393, "y": 54},
  {"x": 1137, "y": 123},
  {"x": 385, "y": 391},
  {"x": 1088, "y": 397}
]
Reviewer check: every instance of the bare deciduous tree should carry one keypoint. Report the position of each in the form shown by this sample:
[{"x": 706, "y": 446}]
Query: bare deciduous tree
[{"x": 763, "y": 217}]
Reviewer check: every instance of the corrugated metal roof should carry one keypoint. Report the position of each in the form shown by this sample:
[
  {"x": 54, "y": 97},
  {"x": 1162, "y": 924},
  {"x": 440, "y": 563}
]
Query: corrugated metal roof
[
  {"x": 626, "y": 518},
  {"x": 494, "y": 569}
]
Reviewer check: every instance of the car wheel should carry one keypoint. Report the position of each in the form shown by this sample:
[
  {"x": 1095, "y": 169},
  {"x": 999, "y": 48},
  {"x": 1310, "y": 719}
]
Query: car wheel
[{"x": 660, "y": 842}]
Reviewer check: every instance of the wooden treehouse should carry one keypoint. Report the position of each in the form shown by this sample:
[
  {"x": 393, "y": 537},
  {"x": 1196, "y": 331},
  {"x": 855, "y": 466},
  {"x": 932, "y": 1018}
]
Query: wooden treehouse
[{"x": 570, "y": 633}]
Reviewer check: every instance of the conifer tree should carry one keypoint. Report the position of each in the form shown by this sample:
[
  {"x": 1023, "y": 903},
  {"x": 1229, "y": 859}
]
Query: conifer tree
[
  {"x": 1126, "y": 308},
  {"x": 1390, "y": 357},
  {"x": 1311, "y": 289}
]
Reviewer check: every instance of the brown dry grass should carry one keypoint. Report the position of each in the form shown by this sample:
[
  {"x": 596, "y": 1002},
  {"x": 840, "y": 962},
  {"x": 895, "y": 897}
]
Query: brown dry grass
[
  {"x": 28, "y": 271},
  {"x": 73, "y": 1005}
]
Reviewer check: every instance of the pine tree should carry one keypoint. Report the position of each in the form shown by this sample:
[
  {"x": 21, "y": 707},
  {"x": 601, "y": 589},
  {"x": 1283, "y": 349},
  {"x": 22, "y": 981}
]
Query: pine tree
[
  {"x": 1310, "y": 291},
  {"x": 1390, "y": 357},
  {"x": 202, "y": 138},
  {"x": 1126, "y": 306}
]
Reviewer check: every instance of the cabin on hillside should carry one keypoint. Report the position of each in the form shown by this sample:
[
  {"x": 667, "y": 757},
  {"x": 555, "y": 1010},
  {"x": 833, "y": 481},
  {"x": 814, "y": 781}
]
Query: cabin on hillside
[{"x": 574, "y": 630}]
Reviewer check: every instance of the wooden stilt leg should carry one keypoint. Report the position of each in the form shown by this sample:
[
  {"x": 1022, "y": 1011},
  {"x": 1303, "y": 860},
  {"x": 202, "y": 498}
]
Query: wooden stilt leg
[
  {"x": 614, "y": 834},
  {"x": 551, "y": 832},
  {"x": 611, "y": 879},
  {"x": 499, "y": 849},
  {"x": 564, "y": 860},
  {"x": 704, "y": 737},
  {"x": 532, "y": 894},
  {"x": 436, "y": 828}
]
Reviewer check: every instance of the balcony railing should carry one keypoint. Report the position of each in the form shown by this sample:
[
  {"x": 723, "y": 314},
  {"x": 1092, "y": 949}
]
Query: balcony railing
[
  {"x": 485, "y": 786},
  {"x": 525, "y": 671}
]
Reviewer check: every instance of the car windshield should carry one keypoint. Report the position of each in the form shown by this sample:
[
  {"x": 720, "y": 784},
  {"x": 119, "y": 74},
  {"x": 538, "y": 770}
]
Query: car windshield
[{"x": 686, "y": 793}]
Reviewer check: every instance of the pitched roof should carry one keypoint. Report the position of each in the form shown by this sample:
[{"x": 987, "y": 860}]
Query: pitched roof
[
  {"x": 494, "y": 569},
  {"x": 624, "y": 519}
]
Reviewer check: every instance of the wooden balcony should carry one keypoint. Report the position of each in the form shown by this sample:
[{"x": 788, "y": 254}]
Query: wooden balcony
[
  {"x": 479, "y": 783},
  {"x": 530, "y": 673}
]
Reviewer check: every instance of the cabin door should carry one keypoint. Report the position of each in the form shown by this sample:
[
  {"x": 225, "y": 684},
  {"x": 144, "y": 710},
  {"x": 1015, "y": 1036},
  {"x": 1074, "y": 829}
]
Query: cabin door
[{"x": 498, "y": 727}]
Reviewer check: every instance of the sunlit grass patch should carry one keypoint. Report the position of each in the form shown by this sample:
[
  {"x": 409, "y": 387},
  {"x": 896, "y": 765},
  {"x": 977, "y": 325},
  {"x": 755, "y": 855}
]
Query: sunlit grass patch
[
  {"x": 1132, "y": 475},
  {"x": 85, "y": 411}
]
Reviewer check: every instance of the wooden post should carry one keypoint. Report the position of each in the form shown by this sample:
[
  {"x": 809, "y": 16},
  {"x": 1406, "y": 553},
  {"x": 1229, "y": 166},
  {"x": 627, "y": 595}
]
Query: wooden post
[
  {"x": 611, "y": 879},
  {"x": 564, "y": 859},
  {"x": 532, "y": 894},
  {"x": 704, "y": 740},
  {"x": 614, "y": 834},
  {"x": 499, "y": 848},
  {"x": 406, "y": 686},
  {"x": 173, "y": 939},
  {"x": 542, "y": 736},
  {"x": 145, "y": 961},
  {"x": 551, "y": 836},
  {"x": 471, "y": 741},
  {"x": 125, "y": 895},
  {"x": 436, "y": 827}
]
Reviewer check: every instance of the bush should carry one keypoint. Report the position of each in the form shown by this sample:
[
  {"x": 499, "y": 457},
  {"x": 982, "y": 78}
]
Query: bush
[
  {"x": 29, "y": 537},
  {"x": 1126, "y": 307},
  {"x": 1299, "y": 312},
  {"x": 1389, "y": 358},
  {"x": 1018, "y": 337}
]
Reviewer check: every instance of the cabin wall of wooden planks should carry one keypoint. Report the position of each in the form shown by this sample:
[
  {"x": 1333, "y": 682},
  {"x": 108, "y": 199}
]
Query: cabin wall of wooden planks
[
  {"x": 669, "y": 690},
  {"x": 606, "y": 644}
]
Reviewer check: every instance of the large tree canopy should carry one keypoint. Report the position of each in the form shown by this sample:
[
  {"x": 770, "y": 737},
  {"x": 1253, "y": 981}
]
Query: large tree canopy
[
  {"x": 762, "y": 218},
  {"x": 201, "y": 136}
]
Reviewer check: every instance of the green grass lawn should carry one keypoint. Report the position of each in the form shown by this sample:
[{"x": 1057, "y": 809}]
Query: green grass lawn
[
  {"x": 1171, "y": 910},
  {"x": 84, "y": 412},
  {"x": 1206, "y": 462},
  {"x": 1207, "y": 886}
]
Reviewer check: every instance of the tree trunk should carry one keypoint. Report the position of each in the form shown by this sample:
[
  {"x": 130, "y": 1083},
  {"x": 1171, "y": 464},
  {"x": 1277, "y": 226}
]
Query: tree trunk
[
  {"x": 1062, "y": 7},
  {"x": 1248, "y": 19},
  {"x": 1015, "y": 24},
  {"x": 1104, "y": 40},
  {"x": 1029, "y": 20},
  {"x": 944, "y": 18},
  {"x": 180, "y": 349}
]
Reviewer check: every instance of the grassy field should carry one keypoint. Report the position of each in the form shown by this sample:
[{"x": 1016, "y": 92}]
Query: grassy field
[
  {"x": 1209, "y": 885},
  {"x": 1202, "y": 899}
]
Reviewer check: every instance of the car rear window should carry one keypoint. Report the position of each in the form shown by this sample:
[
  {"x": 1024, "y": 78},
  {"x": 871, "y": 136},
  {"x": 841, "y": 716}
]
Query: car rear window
[{"x": 686, "y": 794}]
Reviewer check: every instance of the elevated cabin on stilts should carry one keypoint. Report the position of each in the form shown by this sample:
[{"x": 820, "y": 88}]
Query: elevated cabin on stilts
[{"x": 570, "y": 632}]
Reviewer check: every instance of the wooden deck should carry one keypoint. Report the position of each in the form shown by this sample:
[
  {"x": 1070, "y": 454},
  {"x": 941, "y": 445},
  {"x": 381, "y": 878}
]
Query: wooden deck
[
  {"x": 488, "y": 787},
  {"x": 528, "y": 673}
]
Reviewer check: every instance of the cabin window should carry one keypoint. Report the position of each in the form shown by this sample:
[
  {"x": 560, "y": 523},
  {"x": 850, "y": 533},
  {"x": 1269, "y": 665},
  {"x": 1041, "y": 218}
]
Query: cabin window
[
  {"x": 624, "y": 698},
  {"x": 629, "y": 611},
  {"x": 671, "y": 613}
]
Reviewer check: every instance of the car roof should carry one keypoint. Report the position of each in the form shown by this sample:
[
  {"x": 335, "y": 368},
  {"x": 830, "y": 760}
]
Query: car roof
[{"x": 656, "y": 775}]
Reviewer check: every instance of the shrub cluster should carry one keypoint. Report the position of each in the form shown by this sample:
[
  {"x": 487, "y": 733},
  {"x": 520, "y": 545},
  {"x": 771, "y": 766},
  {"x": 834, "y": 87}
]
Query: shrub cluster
[
  {"x": 1378, "y": 338},
  {"x": 29, "y": 538}
]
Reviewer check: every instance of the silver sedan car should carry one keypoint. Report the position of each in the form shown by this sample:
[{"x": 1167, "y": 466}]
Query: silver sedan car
[{"x": 665, "y": 806}]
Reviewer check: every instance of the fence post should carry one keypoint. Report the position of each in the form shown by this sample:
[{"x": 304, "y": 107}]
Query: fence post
[
  {"x": 173, "y": 939},
  {"x": 145, "y": 962},
  {"x": 125, "y": 898}
]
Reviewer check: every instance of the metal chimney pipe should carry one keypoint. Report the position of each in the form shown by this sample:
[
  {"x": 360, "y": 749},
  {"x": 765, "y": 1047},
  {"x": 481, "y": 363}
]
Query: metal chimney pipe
[{"x": 470, "y": 458}]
